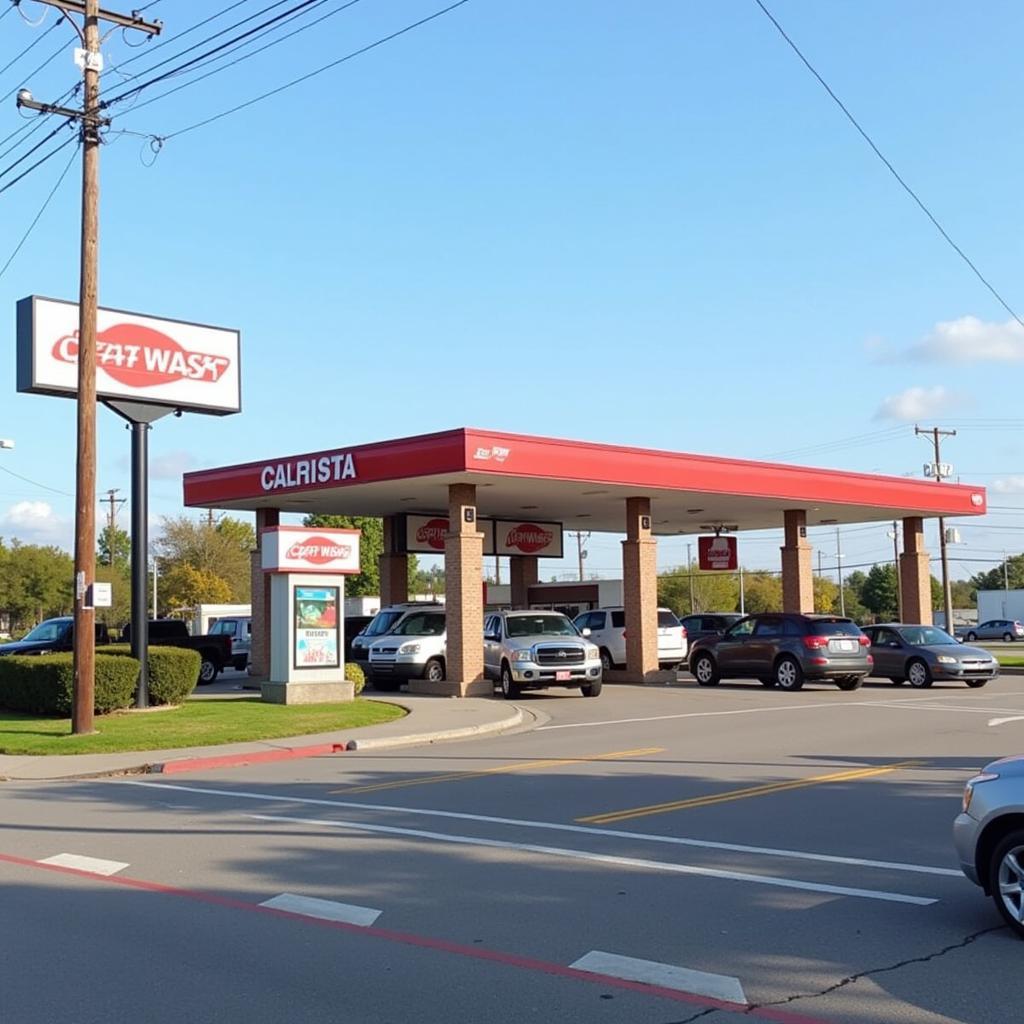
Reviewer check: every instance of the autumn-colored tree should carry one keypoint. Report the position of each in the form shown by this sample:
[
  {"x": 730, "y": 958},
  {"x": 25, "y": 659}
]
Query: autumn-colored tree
[{"x": 183, "y": 586}]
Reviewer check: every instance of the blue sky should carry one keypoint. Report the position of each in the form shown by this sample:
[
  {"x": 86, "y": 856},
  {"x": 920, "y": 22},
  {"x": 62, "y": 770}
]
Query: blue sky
[{"x": 640, "y": 223}]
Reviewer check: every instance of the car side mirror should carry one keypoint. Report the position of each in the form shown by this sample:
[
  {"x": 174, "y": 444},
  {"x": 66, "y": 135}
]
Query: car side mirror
[
  {"x": 585, "y": 631},
  {"x": 492, "y": 637}
]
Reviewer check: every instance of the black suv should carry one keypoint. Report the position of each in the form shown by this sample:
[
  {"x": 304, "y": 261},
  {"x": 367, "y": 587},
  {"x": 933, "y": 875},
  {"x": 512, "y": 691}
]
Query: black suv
[{"x": 784, "y": 649}]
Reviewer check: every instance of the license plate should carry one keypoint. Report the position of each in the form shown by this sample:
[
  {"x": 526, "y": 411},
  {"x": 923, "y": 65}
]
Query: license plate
[
  {"x": 563, "y": 676},
  {"x": 845, "y": 645}
]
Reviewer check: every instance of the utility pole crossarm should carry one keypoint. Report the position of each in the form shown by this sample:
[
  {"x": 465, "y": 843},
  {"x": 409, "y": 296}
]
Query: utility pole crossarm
[{"x": 132, "y": 20}]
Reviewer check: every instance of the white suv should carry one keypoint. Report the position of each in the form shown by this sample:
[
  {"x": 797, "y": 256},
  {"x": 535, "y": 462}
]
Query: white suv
[
  {"x": 383, "y": 623},
  {"x": 414, "y": 649},
  {"x": 608, "y": 630}
]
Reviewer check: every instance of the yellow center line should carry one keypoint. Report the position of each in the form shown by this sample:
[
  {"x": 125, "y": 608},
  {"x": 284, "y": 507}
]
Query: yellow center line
[
  {"x": 519, "y": 766},
  {"x": 611, "y": 817}
]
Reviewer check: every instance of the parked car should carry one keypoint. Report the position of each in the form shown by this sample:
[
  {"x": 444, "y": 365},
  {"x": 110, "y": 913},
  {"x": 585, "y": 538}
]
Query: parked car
[
  {"x": 531, "y": 650},
  {"x": 414, "y": 649},
  {"x": 608, "y": 630},
  {"x": 785, "y": 649},
  {"x": 239, "y": 629},
  {"x": 995, "y": 629},
  {"x": 989, "y": 836},
  {"x": 383, "y": 623},
  {"x": 704, "y": 624},
  {"x": 52, "y": 636},
  {"x": 354, "y": 625},
  {"x": 922, "y": 654},
  {"x": 213, "y": 649}
]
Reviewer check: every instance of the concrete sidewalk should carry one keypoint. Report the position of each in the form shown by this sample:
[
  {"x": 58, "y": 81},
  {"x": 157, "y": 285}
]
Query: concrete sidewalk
[{"x": 430, "y": 720}]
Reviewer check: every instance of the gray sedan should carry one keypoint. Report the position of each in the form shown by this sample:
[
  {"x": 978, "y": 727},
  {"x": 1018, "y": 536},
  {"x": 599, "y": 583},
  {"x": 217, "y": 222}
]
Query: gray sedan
[
  {"x": 923, "y": 654},
  {"x": 989, "y": 836}
]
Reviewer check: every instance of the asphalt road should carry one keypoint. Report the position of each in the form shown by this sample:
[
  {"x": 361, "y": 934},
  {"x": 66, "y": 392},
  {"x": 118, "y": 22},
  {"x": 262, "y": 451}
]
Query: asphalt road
[{"x": 651, "y": 856}]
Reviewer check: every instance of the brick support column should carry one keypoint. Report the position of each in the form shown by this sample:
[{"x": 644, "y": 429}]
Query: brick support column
[
  {"x": 464, "y": 601},
  {"x": 523, "y": 573},
  {"x": 259, "y": 652},
  {"x": 797, "y": 575},
  {"x": 915, "y": 573},
  {"x": 394, "y": 568},
  {"x": 640, "y": 590}
]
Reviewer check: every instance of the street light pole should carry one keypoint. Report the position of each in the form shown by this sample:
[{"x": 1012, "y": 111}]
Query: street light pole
[{"x": 894, "y": 536}]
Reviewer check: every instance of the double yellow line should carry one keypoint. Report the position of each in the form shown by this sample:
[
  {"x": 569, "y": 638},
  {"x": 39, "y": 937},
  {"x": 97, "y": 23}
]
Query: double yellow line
[
  {"x": 613, "y": 817},
  {"x": 519, "y": 766}
]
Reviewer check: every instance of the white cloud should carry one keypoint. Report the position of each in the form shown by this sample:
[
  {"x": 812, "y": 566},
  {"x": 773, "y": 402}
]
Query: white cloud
[
  {"x": 171, "y": 465},
  {"x": 1009, "y": 485},
  {"x": 970, "y": 340},
  {"x": 916, "y": 404},
  {"x": 35, "y": 522}
]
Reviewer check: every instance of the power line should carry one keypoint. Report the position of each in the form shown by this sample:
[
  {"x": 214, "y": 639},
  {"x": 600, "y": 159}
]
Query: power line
[
  {"x": 39, "y": 145},
  {"x": 892, "y": 170},
  {"x": 319, "y": 71},
  {"x": 35, "y": 42},
  {"x": 38, "y": 163},
  {"x": 34, "y": 483},
  {"x": 42, "y": 210},
  {"x": 49, "y": 60}
]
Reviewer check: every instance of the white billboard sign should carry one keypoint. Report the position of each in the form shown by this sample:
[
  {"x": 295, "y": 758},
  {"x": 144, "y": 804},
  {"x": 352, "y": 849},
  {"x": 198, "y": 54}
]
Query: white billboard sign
[
  {"x": 138, "y": 358},
  {"x": 311, "y": 549},
  {"x": 426, "y": 534},
  {"x": 525, "y": 537}
]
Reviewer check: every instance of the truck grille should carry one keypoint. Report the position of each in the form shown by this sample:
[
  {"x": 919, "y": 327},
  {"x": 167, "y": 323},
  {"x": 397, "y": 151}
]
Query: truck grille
[{"x": 559, "y": 654}]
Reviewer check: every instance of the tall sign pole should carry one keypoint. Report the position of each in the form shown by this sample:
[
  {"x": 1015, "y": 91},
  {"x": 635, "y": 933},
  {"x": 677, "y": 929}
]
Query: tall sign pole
[{"x": 83, "y": 697}]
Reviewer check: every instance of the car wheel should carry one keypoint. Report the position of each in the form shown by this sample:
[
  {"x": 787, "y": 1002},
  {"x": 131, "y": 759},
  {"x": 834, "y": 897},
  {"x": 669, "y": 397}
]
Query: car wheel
[
  {"x": 1006, "y": 879},
  {"x": 788, "y": 674},
  {"x": 849, "y": 682},
  {"x": 975, "y": 684},
  {"x": 766, "y": 681},
  {"x": 897, "y": 680},
  {"x": 207, "y": 672},
  {"x": 1008, "y": 638},
  {"x": 607, "y": 665},
  {"x": 509, "y": 687},
  {"x": 591, "y": 689},
  {"x": 919, "y": 674},
  {"x": 704, "y": 670},
  {"x": 971, "y": 637},
  {"x": 433, "y": 671}
]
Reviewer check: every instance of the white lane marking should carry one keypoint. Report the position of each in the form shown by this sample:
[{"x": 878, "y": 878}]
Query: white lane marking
[
  {"x": 324, "y": 910},
  {"x": 959, "y": 694},
  {"x": 955, "y": 710},
  {"x": 93, "y": 865},
  {"x": 1003, "y": 721},
  {"x": 601, "y": 858},
  {"x": 683, "y": 979},
  {"x": 551, "y": 826}
]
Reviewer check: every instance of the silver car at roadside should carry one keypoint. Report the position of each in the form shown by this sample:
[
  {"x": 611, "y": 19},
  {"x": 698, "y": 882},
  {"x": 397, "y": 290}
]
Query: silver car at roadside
[
  {"x": 532, "y": 650},
  {"x": 989, "y": 836}
]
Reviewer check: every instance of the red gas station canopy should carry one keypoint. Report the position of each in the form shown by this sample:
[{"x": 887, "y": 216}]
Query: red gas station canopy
[{"x": 578, "y": 483}]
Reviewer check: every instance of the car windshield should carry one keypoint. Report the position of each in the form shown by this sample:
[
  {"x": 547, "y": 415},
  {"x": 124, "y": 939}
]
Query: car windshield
[
  {"x": 926, "y": 636},
  {"x": 382, "y": 623},
  {"x": 421, "y": 624},
  {"x": 50, "y": 630},
  {"x": 223, "y": 626},
  {"x": 540, "y": 625}
]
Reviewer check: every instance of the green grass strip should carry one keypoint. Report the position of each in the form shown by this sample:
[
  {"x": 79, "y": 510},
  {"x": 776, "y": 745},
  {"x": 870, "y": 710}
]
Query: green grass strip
[{"x": 197, "y": 723}]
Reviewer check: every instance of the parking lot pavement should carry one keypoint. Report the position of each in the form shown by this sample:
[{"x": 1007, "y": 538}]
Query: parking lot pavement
[{"x": 787, "y": 851}]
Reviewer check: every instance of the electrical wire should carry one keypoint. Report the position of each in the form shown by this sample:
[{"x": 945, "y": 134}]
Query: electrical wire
[
  {"x": 10, "y": 64},
  {"x": 38, "y": 216},
  {"x": 38, "y": 163},
  {"x": 318, "y": 71},
  {"x": 35, "y": 483},
  {"x": 892, "y": 170},
  {"x": 49, "y": 60},
  {"x": 8, "y": 11},
  {"x": 42, "y": 142}
]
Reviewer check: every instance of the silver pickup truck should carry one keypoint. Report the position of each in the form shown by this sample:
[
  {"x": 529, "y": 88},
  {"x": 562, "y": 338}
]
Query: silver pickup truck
[{"x": 532, "y": 650}]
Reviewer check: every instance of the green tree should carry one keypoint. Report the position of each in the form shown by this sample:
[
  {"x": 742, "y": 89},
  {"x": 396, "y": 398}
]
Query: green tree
[
  {"x": 1009, "y": 572},
  {"x": 222, "y": 550},
  {"x": 964, "y": 594},
  {"x": 35, "y": 582},
  {"x": 763, "y": 593},
  {"x": 826, "y": 596},
  {"x": 712, "y": 591},
  {"x": 878, "y": 594},
  {"x": 114, "y": 546}
]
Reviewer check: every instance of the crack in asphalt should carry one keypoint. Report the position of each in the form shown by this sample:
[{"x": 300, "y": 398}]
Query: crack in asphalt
[{"x": 849, "y": 979}]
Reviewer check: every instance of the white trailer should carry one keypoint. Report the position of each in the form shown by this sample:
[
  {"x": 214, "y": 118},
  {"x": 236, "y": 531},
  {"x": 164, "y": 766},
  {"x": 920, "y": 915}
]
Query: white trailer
[{"x": 1000, "y": 604}]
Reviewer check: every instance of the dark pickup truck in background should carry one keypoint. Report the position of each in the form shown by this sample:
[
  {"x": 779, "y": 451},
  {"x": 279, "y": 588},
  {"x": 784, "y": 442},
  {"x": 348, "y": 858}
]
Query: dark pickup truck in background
[
  {"x": 51, "y": 637},
  {"x": 214, "y": 649}
]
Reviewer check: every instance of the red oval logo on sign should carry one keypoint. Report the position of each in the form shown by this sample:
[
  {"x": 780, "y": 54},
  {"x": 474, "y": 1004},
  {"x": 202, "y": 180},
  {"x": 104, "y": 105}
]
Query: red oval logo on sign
[
  {"x": 318, "y": 551},
  {"x": 528, "y": 538},
  {"x": 433, "y": 533},
  {"x": 140, "y": 357}
]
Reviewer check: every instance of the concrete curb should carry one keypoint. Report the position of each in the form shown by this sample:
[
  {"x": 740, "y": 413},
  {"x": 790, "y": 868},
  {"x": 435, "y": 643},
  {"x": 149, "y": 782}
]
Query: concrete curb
[{"x": 465, "y": 732}]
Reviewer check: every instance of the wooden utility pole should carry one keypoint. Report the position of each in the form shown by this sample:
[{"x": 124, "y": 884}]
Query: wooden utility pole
[
  {"x": 91, "y": 120},
  {"x": 939, "y": 471},
  {"x": 114, "y": 503}
]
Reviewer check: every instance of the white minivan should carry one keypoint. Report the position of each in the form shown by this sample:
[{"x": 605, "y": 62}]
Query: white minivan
[{"x": 608, "y": 630}]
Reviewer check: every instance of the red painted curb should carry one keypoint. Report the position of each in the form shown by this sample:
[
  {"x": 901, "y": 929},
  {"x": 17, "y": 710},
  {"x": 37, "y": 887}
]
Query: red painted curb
[{"x": 198, "y": 764}]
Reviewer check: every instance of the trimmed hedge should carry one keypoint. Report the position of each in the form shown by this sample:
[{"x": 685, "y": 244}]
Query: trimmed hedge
[
  {"x": 173, "y": 672},
  {"x": 354, "y": 674},
  {"x": 43, "y": 684}
]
